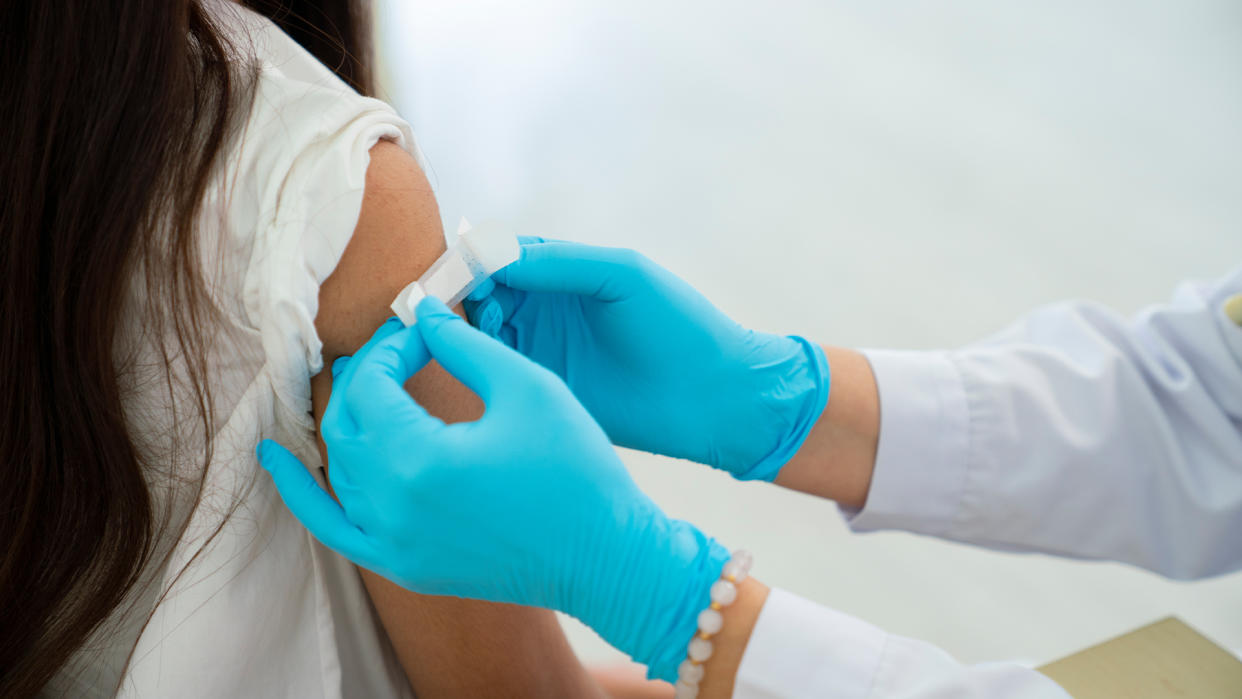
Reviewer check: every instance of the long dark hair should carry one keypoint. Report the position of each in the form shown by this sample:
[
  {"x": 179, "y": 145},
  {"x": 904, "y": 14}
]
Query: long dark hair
[{"x": 112, "y": 115}]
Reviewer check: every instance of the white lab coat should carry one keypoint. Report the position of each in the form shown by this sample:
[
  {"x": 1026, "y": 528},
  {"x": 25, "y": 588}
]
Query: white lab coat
[{"x": 1075, "y": 432}]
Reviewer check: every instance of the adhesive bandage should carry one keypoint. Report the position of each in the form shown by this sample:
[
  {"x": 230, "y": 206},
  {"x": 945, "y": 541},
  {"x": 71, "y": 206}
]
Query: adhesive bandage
[{"x": 477, "y": 254}]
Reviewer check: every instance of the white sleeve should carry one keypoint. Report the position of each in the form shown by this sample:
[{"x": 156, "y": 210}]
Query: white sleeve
[
  {"x": 801, "y": 649},
  {"x": 303, "y": 161},
  {"x": 1075, "y": 432}
]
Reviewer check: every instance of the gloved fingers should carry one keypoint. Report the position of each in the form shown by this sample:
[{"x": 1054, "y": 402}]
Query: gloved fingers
[
  {"x": 477, "y": 360},
  {"x": 375, "y": 393},
  {"x": 482, "y": 291},
  {"x": 317, "y": 511},
  {"x": 337, "y": 422},
  {"x": 490, "y": 315},
  {"x": 491, "y": 304},
  {"x": 508, "y": 335},
  {"x": 507, "y": 300},
  {"x": 484, "y": 314},
  {"x": 571, "y": 268}
]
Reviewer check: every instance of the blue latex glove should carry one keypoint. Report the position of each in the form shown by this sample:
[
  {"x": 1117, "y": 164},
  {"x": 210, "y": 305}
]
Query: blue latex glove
[
  {"x": 529, "y": 504},
  {"x": 660, "y": 367}
]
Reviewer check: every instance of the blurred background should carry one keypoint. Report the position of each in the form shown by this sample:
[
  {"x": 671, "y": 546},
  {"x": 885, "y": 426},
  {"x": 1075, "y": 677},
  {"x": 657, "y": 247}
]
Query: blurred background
[{"x": 901, "y": 174}]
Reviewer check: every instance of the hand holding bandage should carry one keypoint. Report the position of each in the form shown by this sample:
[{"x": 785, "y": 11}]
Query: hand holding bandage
[
  {"x": 529, "y": 504},
  {"x": 660, "y": 367}
]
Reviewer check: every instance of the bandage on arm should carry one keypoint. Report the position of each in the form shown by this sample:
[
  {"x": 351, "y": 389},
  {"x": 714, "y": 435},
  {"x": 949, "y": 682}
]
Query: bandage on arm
[
  {"x": 478, "y": 254},
  {"x": 447, "y": 646}
]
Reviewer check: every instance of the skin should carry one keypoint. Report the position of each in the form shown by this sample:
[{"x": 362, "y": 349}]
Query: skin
[
  {"x": 448, "y": 647},
  {"x": 838, "y": 458},
  {"x": 836, "y": 462}
]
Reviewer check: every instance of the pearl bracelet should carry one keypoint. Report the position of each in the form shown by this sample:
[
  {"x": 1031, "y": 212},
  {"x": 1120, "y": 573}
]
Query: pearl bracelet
[{"x": 723, "y": 593}]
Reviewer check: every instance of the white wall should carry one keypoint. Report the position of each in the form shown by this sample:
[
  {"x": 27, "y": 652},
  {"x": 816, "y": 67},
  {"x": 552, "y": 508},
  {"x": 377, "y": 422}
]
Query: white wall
[{"x": 904, "y": 174}]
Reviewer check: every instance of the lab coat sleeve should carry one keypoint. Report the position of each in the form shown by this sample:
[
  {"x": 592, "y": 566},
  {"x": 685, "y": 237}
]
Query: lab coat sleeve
[
  {"x": 801, "y": 649},
  {"x": 1075, "y": 432}
]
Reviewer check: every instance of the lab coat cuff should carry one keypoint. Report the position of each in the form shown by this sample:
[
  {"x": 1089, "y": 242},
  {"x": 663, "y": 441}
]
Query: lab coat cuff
[
  {"x": 921, "y": 460},
  {"x": 799, "y": 648}
]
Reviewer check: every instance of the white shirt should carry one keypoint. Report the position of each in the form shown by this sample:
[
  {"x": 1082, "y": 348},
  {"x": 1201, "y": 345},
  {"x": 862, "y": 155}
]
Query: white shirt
[
  {"x": 260, "y": 608},
  {"x": 1075, "y": 432}
]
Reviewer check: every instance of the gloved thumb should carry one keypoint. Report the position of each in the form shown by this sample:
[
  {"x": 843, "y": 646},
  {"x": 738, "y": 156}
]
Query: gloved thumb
[
  {"x": 311, "y": 504},
  {"x": 479, "y": 361}
]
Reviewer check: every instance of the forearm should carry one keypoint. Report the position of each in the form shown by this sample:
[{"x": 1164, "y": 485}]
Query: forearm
[
  {"x": 838, "y": 457},
  {"x": 720, "y": 670},
  {"x": 454, "y": 647}
]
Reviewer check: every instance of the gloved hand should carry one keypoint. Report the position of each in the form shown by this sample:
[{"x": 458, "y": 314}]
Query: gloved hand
[
  {"x": 660, "y": 367},
  {"x": 529, "y": 504}
]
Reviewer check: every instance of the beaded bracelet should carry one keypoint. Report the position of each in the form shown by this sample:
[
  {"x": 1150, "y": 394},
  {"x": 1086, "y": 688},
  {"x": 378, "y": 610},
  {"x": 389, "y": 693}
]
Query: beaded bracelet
[{"x": 723, "y": 593}]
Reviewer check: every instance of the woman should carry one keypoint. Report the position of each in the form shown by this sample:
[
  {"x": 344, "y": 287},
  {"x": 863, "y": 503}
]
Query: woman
[{"x": 199, "y": 214}]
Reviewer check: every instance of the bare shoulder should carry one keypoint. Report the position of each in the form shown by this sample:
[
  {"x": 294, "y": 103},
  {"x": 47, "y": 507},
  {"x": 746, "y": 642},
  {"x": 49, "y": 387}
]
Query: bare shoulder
[{"x": 398, "y": 235}]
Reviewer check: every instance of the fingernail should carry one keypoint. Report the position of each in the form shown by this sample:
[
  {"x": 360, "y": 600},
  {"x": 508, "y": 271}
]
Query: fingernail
[{"x": 339, "y": 365}]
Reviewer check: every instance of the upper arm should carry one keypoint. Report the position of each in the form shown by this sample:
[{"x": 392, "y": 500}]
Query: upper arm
[{"x": 448, "y": 646}]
